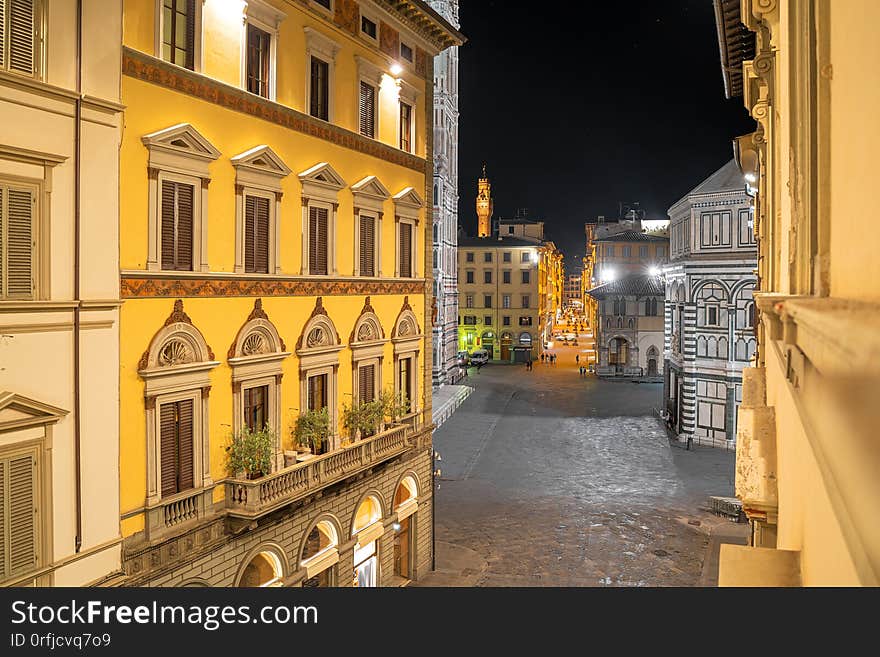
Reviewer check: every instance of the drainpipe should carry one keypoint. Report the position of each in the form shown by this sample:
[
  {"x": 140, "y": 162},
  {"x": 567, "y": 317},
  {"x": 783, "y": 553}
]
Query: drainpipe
[{"x": 77, "y": 427}]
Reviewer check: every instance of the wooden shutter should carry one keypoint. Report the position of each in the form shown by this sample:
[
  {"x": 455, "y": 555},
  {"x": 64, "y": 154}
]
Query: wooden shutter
[
  {"x": 168, "y": 448},
  {"x": 317, "y": 389},
  {"x": 2, "y": 65},
  {"x": 190, "y": 34},
  {"x": 176, "y": 446},
  {"x": 366, "y": 110},
  {"x": 20, "y": 34},
  {"x": 405, "y": 250},
  {"x": 18, "y": 515},
  {"x": 185, "y": 445},
  {"x": 366, "y": 383},
  {"x": 318, "y": 240},
  {"x": 256, "y": 234},
  {"x": 177, "y": 225},
  {"x": 367, "y": 245},
  {"x": 17, "y": 236}
]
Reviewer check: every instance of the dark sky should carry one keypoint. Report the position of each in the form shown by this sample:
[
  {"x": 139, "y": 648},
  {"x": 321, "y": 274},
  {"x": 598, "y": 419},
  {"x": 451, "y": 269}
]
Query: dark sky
[{"x": 577, "y": 105}]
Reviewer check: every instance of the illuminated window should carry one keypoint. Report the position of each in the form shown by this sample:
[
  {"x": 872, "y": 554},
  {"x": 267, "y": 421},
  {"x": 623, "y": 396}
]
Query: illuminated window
[
  {"x": 178, "y": 31},
  {"x": 406, "y": 127},
  {"x": 264, "y": 570}
]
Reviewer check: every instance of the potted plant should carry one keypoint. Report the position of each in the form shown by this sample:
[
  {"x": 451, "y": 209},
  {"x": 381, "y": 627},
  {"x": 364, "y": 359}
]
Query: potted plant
[
  {"x": 249, "y": 454},
  {"x": 362, "y": 419},
  {"x": 312, "y": 430},
  {"x": 394, "y": 406}
]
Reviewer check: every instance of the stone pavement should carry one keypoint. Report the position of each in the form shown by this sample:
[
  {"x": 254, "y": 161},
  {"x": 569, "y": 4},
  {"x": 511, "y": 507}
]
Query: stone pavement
[
  {"x": 552, "y": 479},
  {"x": 444, "y": 401}
]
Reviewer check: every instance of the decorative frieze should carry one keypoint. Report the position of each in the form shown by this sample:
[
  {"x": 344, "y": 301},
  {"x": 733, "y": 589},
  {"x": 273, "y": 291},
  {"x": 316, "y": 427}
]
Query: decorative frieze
[{"x": 133, "y": 287}]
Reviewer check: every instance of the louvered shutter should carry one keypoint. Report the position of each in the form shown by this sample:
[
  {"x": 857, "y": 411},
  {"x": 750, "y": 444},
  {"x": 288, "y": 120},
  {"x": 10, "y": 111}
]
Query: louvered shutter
[
  {"x": 20, "y": 32},
  {"x": 185, "y": 477},
  {"x": 190, "y": 34},
  {"x": 18, "y": 519},
  {"x": 250, "y": 213},
  {"x": 405, "y": 250},
  {"x": 366, "y": 382},
  {"x": 261, "y": 236},
  {"x": 256, "y": 235},
  {"x": 168, "y": 232},
  {"x": 318, "y": 241},
  {"x": 19, "y": 242},
  {"x": 367, "y": 246},
  {"x": 2, "y": 44},
  {"x": 168, "y": 448},
  {"x": 2, "y": 230},
  {"x": 177, "y": 226},
  {"x": 366, "y": 110},
  {"x": 184, "y": 227}
]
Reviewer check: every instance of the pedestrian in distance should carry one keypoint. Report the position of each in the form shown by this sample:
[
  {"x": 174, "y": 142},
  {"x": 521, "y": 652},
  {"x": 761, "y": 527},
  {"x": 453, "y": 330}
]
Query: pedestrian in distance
[
  {"x": 542, "y": 356},
  {"x": 577, "y": 358}
]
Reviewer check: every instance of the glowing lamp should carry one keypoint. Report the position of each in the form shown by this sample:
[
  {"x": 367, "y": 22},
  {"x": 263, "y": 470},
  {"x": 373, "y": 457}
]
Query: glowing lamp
[
  {"x": 396, "y": 69},
  {"x": 654, "y": 271}
]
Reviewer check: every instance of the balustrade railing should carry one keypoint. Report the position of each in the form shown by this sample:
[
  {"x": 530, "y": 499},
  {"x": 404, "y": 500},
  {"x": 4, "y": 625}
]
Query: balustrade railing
[{"x": 253, "y": 498}]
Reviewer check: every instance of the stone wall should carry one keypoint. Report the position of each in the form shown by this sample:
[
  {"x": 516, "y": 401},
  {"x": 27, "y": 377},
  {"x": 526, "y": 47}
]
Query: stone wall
[{"x": 219, "y": 562}]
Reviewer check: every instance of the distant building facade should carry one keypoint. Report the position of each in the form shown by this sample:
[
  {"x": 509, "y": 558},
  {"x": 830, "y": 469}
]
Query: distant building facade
[
  {"x": 628, "y": 326},
  {"x": 445, "y": 237},
  {"x": 710, "y": 313},
  {"x": 571, "y": 296}
]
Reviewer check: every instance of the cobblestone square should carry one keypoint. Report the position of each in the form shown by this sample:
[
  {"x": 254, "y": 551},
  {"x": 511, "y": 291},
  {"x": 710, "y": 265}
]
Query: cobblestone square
[{"x": 552, "y": 479}]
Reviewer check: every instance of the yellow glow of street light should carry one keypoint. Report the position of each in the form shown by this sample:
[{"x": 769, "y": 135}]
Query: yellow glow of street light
[{"x": 396, "y": 69}]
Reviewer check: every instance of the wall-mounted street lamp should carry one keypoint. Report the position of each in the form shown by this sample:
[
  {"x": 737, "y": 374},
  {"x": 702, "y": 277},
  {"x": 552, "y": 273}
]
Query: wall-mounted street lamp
[{"x": 396, "y": 69}]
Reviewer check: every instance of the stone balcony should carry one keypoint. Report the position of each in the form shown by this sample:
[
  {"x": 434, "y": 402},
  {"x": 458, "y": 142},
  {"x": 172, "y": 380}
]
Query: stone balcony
[{"x": 250, "y": 499}]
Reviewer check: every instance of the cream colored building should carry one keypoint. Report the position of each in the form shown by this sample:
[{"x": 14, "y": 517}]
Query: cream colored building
[
  {"x": 807, "y": 449},
  {"x": 60, "y": 122}
]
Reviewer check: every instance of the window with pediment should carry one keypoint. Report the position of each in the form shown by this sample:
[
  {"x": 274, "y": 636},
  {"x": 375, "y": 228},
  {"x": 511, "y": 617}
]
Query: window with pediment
[
  {"x": 407, "y": 340},
  {"x": 178, "y": 170},
  {"x": 175, "y": 370},
  {"x": 367, "y": 344},
  {"x": 318, "y": 350}
]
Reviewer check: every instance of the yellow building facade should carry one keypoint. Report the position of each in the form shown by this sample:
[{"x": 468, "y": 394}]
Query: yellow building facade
[
  {"x": 807, "y": 452},
  {"x": 273, "y": 251}
]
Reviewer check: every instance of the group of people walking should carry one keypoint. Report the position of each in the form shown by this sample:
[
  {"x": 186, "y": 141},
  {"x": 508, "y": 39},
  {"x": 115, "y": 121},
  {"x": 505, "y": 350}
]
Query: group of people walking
[{"x": 548, "y": 358}]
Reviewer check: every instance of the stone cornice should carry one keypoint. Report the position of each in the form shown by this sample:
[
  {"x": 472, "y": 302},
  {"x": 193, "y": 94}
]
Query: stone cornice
[{"x": 144, "y": 67}]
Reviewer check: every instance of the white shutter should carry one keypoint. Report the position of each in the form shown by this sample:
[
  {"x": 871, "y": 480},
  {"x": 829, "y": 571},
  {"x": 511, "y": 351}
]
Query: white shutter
[
  {"x": 4, "y": 559},
  {"x": 21, "y": 36},
  {"x": 19, "y": 243},
  {"x": 2, "y": 49},
  {"x": 18, "y": 508}
]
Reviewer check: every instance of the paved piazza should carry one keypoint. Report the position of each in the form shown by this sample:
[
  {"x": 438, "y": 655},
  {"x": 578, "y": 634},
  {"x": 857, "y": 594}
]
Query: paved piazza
[{"x": 551, "y": 479}]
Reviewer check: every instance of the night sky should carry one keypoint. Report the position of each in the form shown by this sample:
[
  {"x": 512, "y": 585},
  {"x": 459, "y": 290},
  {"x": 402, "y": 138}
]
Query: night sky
[{"x": 577, "y": 105}]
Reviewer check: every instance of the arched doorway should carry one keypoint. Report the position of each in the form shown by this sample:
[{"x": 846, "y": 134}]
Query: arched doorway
[
  {"x": 652, "y": 361},
  {"x": 506, "y": 346},
  {"x": 487, "y": 342},
  {"x": 367, "y": 526},
  {"x": 405, "y": 504},
  {"x": 264, "y": 570},
  {"x": 319, "y": 555},
  {"x": 618, "y": 353}
]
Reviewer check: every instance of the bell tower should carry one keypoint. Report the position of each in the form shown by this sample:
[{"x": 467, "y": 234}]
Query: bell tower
[{"x": 484, "y": 206}]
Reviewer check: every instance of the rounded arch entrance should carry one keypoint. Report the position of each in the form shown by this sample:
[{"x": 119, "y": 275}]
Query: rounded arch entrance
[
  {"x": 487, "y": 342},
  {"x": 506, "y": 346}
]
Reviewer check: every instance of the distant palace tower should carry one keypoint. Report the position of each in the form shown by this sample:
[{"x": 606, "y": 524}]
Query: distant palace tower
[{"x": 484, "y": 206}]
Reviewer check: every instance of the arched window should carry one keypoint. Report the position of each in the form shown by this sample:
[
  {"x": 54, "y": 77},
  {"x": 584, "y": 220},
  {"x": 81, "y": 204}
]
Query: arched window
[
  {"x": 750, "y": 316},
  {"x": 619, "y": 322},
  {"x": 263, "y": 570},
  {"x": 367, "y": 527},
  {"x": 525, "y": 339},
  {"x": 367, "y": 343},
  {"x": 319, "y": 554},
  {"x": 406, "y": 338},
  {"x": 405, "y": 505},
  {"x": 176, "y": 370}
]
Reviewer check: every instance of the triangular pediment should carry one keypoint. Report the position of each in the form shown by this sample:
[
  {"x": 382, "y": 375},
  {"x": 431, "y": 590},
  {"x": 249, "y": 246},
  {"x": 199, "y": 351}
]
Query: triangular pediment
[
  {"x": 408, "y": 198},
  {"x": 372, "y": 187},
  {"x": 262, "y": 159},
  {"x": 182, "y": 139},
  {"x": 17, "y": 411},
  {"x": 324, "y": 175}
]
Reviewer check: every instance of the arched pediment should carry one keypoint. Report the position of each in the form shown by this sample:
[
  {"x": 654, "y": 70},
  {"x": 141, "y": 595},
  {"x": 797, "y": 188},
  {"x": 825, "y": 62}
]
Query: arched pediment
[
  {"x": 319, "y": 332},
  {"x": 367, "y": 328},
  {"x": 257, "y": 337},
  {"x": 178, "y": 343},
  {"x": 406, "y": 325}
]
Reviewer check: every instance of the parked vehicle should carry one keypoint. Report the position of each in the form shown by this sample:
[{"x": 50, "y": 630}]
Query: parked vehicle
[
  {"x": 462, "y": 359},
  {"x": 479, "y": 357}
]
